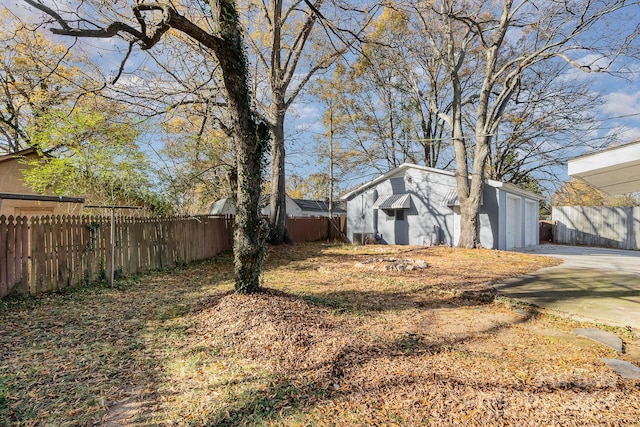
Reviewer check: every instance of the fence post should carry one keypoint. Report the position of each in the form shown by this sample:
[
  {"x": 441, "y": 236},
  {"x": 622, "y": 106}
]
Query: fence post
[{"x": 4, "y": 286}]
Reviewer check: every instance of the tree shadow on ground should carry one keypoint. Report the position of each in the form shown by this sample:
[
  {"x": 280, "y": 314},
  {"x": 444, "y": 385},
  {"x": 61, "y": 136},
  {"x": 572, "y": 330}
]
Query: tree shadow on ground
[
  {"x": 298, "y": 386},
  {"x": 84, "y": 355},
  {"x": 571, "y": 284},
  {"x": 369, "y": 370}
]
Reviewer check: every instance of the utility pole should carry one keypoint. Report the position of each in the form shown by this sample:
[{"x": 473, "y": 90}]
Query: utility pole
[{"x": 331, "y": 225}]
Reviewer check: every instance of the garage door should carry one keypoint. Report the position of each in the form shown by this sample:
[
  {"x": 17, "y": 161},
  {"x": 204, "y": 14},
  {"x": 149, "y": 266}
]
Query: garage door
[
  {"x": 530, "y": 223},
  {"x": 514, "y": 222}
]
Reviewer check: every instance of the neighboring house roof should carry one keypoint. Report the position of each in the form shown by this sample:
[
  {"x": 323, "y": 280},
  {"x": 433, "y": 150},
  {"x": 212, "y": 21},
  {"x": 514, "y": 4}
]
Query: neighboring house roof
[
  {"x": 316, "y": 206},
  {"x": 452, "y": 196},
  {"x": 10, "y": 156},
  {"x": 22, "y": 154},
  {"x": 222, "y": 206}
]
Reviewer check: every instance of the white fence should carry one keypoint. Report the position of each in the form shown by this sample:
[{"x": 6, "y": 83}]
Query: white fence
[{"x": 597, "y": 226}]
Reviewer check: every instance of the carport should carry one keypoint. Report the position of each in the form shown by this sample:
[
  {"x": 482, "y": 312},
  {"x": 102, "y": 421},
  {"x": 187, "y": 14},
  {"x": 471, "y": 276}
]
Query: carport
[{"x": 614, "y": 171}]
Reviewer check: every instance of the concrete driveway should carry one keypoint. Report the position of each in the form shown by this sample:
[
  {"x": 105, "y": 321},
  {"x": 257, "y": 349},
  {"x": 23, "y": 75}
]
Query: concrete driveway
[{"x": 596, "y": 284}]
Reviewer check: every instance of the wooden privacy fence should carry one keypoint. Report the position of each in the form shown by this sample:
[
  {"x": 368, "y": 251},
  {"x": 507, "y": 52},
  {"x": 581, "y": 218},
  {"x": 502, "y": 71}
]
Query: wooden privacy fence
[
  {"x": 51, "y": 253},
  {"x": 313, "y": 229},
  {"x": 597, "y": 226}
]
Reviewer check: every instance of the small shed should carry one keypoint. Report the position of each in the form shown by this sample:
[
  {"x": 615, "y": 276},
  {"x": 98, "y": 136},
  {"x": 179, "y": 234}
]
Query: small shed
[
  {"x": 417, "y": 205},
  {"x": 222, "y": 207}
]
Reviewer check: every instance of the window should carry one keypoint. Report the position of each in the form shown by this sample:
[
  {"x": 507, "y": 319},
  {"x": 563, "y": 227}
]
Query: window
[{"x": 395, "y": 214}]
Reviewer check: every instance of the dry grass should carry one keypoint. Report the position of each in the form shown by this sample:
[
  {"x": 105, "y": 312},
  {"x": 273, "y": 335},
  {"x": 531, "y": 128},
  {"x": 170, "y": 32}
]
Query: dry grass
[{"x": 329, "y": 343}]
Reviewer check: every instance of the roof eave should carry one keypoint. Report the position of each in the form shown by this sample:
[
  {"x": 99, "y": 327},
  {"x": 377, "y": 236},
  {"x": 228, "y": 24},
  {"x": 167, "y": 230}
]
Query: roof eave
[{"x": 390, "y": 173}]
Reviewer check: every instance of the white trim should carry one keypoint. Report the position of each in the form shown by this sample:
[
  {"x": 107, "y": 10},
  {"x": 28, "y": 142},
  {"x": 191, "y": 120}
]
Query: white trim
[
  {"x": 514, "y": 189},
  {"x": 615, "y": 170},
  {"x": 385, "y": 176}
]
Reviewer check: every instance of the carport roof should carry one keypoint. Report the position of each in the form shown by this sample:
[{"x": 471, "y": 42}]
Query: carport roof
[{"x": 614, "y": 171}]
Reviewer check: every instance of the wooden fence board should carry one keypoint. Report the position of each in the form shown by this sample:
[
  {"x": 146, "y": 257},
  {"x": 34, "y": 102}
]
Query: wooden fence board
[
  {"x": 4, "y": 260},
  {"x": 42, "y": 254},
  {"x": 24, "y": 238},
  {"x": 11, "y": 252}
]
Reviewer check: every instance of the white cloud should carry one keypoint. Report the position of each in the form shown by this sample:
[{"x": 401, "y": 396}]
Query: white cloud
[
  {"x": 625, "y": 134},
  {"x": 621, "y": 103}
]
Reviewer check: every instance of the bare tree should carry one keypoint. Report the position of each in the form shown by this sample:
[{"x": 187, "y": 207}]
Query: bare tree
[
  {"x": 384, "y": 103},
  {"x": 222, "y": 35},
  {"x": 500, "y": 42},
  {"x": 38, "y": 77},
  {"x": 551, "y": 118},
  {"x": 292, "y": 41}
]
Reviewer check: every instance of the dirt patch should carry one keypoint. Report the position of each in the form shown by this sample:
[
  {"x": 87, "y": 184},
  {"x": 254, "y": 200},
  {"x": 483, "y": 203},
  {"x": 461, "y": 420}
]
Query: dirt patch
[
  {"x": 391, "y": 263},
  {"x": 277, "y": 329}
]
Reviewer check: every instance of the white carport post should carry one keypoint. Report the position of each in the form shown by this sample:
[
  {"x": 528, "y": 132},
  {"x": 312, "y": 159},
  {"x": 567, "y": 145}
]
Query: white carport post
[{"x": 614, "y": 171}]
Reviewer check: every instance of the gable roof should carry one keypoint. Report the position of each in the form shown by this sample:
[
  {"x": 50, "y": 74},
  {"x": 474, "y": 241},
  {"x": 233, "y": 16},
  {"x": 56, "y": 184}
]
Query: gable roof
[
  {"x": 218, "y": 206},
  {"x": 387, "y": 175},
  {"x": 511, "y": 188}
]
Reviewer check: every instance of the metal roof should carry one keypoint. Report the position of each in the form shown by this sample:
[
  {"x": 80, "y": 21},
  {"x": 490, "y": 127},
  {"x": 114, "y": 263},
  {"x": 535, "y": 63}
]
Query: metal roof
[
  {"x": 394, "y": 201},
  {"x": 450, "y": 198},
  {"x": 317, "y": 206}
]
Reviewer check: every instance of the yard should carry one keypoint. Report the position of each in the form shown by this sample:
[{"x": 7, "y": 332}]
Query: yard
[{"x": 345, "y": 335}]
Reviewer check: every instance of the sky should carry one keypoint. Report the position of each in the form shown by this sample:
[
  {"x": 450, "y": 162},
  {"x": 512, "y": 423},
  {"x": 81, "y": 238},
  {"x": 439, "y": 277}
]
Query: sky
[{"x": 618, "y": 112}]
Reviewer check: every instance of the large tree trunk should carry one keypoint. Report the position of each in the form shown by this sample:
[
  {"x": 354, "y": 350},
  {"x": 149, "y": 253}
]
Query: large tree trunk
[
  {"x": 467, "y": 194},
  {"x": 251, "y": 139},
  {"x": 469, "y": 220},
  {"x": 278, "y": 233},
  {"x": 250, "y": 135}
]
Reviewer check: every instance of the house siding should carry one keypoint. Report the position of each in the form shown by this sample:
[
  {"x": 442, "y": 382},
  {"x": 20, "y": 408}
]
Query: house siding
[
  {"x": 12, "y": 167},
  {"x": 427, "y": 222}
]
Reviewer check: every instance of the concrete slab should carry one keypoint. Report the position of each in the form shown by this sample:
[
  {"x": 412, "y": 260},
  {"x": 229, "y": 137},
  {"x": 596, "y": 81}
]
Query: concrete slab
[
  {"x": 595, "y": 284},
  {"x": 603, "y": 337},
  {"x": 623, "y": 368}
]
